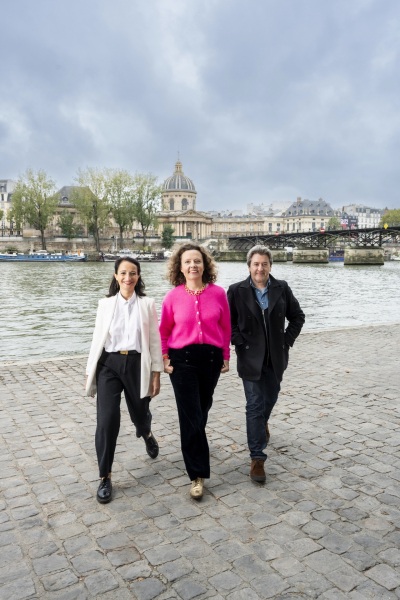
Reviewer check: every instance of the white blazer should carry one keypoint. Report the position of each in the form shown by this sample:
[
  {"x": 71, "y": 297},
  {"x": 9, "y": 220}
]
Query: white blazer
[{"x": 151, "y": 357}]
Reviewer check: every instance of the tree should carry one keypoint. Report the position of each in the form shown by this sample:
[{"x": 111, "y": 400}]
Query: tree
[
  {"x": 67, "y": 225},
  {"x": 391, "y": 218},
  {"x": 167, "y": 236},
  {"x": 334, "y": 223},
  {"x": 34, "y": 201},
  {"x": 147, "y": 195},
  {"x": 91, "y": 200},
  {"x": 120, "y": 193}
]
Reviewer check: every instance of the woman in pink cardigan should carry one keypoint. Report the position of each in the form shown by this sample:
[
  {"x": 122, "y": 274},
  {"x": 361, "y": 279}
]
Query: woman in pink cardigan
[{"x": 195, "y": 336}]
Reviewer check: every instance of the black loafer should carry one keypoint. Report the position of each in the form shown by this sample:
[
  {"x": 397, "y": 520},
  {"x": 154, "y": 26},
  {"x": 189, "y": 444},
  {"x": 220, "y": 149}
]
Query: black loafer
[
  {"x": 104, "y": 492},
  {"x": 152, "y": 448}
]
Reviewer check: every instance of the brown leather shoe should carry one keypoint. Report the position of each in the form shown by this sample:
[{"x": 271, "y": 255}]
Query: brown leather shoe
[
  {"x": 257, "y": 472},
  {"x": 267, "y": 432}
]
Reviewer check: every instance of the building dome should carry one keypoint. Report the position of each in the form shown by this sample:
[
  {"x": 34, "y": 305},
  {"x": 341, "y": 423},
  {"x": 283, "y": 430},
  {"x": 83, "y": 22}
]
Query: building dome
[{"x": 178, "y": 181}]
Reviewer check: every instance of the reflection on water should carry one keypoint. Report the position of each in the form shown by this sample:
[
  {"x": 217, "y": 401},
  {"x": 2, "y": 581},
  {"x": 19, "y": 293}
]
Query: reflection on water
[{"x": 48, "y": 310}]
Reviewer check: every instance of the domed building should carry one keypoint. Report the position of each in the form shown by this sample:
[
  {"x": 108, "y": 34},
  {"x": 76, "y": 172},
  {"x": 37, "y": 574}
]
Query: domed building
[
  {"x": 178, "y": 199},
  {"x": 178, "y": 191}
]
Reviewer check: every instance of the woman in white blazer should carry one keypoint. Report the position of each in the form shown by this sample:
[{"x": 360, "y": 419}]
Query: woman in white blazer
[{"x": 125, "y": 355}]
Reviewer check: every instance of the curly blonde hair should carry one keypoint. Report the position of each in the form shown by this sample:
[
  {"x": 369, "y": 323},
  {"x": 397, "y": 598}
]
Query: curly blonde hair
[{"x": 176, "y": 277}]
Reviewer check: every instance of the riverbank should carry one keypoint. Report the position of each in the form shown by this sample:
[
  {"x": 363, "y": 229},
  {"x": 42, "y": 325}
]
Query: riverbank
[{"x": 325, "y": 524}]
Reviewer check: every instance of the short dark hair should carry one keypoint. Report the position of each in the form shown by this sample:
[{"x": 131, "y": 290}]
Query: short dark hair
[
  {"x": 258, "y": 249},
  {"x": 176, "y": 277},
  {"x": 114, "y": 285}
]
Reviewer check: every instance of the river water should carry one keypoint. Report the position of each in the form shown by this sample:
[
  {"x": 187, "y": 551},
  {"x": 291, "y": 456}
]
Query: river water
[{"x": 48, "y": 310}]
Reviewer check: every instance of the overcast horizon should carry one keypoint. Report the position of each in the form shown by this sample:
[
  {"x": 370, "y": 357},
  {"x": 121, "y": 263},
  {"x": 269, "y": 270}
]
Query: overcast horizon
[{"x": 264, "y": 102}]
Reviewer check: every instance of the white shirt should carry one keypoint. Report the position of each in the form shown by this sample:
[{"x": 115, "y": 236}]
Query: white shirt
[{"x": 125, "y": 330}]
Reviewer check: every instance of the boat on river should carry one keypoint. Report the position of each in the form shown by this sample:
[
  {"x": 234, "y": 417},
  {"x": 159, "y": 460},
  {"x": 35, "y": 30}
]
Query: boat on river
[
  {"x": 140, "y": 256},
  {"x": 43, "y": 256}
]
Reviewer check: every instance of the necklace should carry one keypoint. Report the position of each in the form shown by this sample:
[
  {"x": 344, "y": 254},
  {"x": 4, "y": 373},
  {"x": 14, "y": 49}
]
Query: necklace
[{"x": 195, "y": 292}]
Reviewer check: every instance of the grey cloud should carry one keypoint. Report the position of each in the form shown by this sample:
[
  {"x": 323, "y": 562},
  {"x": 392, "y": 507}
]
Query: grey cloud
[{"x": 265, "y": 101}]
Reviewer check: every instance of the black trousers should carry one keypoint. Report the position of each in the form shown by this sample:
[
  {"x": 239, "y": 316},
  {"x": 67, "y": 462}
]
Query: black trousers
[
  {"x": 117, "y": 373},
  {"x": 196, "y": 372}
]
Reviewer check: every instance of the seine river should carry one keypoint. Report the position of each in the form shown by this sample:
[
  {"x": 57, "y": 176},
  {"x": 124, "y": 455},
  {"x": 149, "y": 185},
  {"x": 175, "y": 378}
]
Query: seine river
[{"x": 48, "y": 310}]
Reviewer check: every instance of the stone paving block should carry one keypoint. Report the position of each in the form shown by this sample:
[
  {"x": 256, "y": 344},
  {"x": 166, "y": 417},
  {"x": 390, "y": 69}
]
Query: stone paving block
[
  {"x": 231, "y": 550},
  {"x": 371, "y": 591},
  {"x": 189, "y": 588},
  {"x": 214, "y": 535},
  {"x": 20, "y": 589},
  {"x": 59, "y": 581},
  {"x": 123, "y": 557},
  {"x": 89, "y": 561},
  {"x": 324, "y": 561},
  {"x": 225, "y": 582},
  {"x": 244, "y": 594},
  {"x": 8, "y": 537},
  {"x": 43, "y": 549},
  {"x": 302, "y": 547},
  {"x": 345, "y": 578},
  {"x": 49, "y": 564},
  {"x": 100, "y": 582},
  {"x": 135, "y": 570},
  {"x": 269, "y": 586},
  {"x": 114, "y": 541},
  {"x": 176, "y": 569},
  {"x": 250, "y": 566},
  {"x": 385, "y": 576},
  {"x": 391, "y": 556},
  {"x": 162, "y": 554},
  {"x": 211, "y": 564},
  {"x": 336, "y": 543},
  {"x": 360, "y": 560},
  {"x": 287, "y": 566}
]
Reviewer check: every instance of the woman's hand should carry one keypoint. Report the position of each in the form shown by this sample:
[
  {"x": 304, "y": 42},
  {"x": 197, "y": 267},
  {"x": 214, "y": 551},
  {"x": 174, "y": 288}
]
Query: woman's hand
[
  {"x": 155, "y": 384},
  {"x": 92, "y": 395},
  {"x": 168, "y": 368},
  {"x": 225, "y": 368}
]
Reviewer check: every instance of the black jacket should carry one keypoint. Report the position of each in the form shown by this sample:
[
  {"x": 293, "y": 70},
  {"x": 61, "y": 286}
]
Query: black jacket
[{"x": 248, "y": 329}]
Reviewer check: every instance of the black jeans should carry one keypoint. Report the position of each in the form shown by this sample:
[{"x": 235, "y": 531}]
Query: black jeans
[
  {"x": 117, "y": 373},
  {"x": 196, "y": 372}
]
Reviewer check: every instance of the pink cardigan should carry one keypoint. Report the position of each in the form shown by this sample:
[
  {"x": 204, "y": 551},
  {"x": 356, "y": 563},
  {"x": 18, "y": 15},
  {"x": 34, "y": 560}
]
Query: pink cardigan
[{"x": 202, "y": 319}]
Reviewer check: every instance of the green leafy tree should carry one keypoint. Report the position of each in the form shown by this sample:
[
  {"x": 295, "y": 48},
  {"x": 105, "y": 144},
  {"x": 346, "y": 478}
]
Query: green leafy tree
[
  {"x": 91, "y": 200},
  {"x": 34, "y": 201},
  {"x": 120, "y": 193},
  {"x": 1, "y": 214},
  {"x": 147, "y": 196},
  {"x": 67, "y": 225},
  {"x": 391, "y": 218},
  {"x": 167, "y": 236},
  {"x": 334, "y": 223}
]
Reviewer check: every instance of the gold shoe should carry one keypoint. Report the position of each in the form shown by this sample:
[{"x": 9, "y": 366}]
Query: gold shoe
[{"x": 196, "y": 490}]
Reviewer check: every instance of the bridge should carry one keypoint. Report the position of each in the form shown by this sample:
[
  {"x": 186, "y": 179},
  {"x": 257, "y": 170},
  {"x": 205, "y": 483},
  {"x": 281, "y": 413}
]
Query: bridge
[{"x": 356, "y": 238}]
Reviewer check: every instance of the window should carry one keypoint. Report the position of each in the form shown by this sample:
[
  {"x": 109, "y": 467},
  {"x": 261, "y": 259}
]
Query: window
[
  {"x": 171, "y": 204},
  {"x": 185, "y": 204}
]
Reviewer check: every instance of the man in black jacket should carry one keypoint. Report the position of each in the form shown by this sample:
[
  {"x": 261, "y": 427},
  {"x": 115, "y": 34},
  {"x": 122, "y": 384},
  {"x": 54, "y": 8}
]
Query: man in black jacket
[{"x": 259, "y": 306}]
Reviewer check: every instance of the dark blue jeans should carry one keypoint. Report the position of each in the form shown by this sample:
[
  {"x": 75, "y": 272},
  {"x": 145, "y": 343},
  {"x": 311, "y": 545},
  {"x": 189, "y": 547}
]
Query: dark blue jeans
[
  {"x": 196, "y": 372},
  {"x": 261, "y": 397}
]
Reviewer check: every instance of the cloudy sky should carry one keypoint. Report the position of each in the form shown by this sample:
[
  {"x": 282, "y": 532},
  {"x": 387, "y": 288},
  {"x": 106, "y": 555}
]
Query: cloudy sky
[{"x": 265, "y": 100}]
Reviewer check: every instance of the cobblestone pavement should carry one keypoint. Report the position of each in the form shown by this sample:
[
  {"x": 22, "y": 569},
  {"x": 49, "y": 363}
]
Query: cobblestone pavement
[{"x": 325, "y": 525}]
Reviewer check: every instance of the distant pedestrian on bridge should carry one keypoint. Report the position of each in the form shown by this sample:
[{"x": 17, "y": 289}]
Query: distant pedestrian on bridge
[{"x": 259, "y": 306}]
